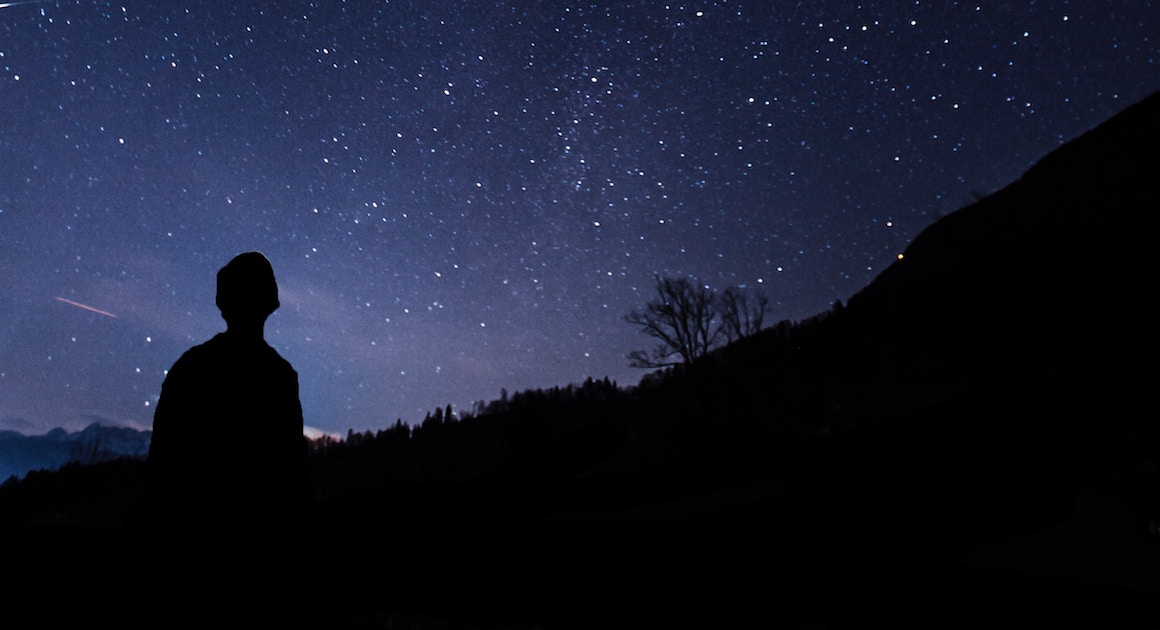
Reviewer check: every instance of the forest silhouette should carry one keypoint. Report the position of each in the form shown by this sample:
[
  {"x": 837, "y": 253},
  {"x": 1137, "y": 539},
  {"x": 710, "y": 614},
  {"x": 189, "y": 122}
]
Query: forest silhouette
[{"x": 980, "y": 419}]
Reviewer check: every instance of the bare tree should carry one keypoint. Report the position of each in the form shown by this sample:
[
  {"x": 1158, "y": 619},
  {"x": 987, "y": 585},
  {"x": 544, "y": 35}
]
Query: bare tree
[
  {"x": 681, "y": 317},
  {"x": 742, "y": 312}
]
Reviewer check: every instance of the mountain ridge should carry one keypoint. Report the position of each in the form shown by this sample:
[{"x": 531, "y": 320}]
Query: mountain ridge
[
  {"x": 1069, "y": 243},
  {"x": 97, "y": 442}
]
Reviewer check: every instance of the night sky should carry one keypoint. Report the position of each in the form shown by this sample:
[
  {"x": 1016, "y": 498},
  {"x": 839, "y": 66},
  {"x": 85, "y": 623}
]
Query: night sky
[{"x": 462, "y": 199}]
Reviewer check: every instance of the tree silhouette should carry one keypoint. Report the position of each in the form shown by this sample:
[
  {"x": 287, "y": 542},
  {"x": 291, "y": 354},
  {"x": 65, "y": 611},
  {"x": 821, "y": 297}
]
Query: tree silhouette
[
  {"x": 741, "y": 312},
  {"x": 681, "y": 316}
]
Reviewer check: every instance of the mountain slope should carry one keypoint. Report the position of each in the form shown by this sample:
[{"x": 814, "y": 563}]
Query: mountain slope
[
  {"x": 1064, "y": 257},
  {"x": 1007, "y": 362}
]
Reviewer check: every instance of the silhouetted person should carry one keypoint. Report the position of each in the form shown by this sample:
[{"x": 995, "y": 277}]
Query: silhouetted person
[{"x": 227, "y": 446}]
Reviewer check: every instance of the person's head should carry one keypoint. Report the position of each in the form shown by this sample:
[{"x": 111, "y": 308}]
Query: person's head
[{"x": 246, "y": 289}]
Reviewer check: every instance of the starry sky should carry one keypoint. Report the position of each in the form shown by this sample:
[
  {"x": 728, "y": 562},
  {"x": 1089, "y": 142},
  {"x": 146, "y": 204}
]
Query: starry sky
[{"x": 459, "y": 199}]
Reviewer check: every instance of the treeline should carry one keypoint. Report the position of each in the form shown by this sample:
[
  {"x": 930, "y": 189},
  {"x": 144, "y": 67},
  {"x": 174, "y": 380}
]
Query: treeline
[
  {"x": 446, "y": 447},
  {"x": 756, "y": 388}
]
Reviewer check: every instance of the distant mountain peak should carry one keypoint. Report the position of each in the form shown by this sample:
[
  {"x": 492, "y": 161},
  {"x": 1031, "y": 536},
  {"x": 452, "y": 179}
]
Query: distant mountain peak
[{"x": 20, "y": 454}]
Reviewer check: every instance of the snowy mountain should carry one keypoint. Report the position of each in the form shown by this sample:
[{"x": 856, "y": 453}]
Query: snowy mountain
[{"x": 20, "y": 454}]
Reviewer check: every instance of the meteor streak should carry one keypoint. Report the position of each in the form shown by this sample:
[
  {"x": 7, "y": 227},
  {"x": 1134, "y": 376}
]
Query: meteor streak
[{"x": 78, "y": 304}]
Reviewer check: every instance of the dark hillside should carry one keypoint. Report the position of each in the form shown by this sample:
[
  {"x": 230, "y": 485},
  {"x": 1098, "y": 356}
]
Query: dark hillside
[
  {"x": 1015, "y": 343},
  {"x": 1062, "y": 261},
  {"x": 1036, "y": 309}
]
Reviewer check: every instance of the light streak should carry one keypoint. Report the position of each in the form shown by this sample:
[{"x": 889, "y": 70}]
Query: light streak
[{"x": 84, "y": 306}]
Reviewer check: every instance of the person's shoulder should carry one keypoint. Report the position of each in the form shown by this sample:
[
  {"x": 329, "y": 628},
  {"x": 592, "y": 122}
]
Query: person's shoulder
[
  {"x": 194, "y": 365},
  {"x": 199, "y": 353},
  {"x": 278, "y": 359}
]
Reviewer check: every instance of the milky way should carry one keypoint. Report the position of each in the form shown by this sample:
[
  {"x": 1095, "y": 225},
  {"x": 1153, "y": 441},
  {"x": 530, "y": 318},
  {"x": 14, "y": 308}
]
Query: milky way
[{"x": 462, "y": 199}]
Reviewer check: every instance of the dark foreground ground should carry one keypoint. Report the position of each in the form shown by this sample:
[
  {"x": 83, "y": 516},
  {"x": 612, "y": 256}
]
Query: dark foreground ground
[{"x": 841, "y": 533}]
